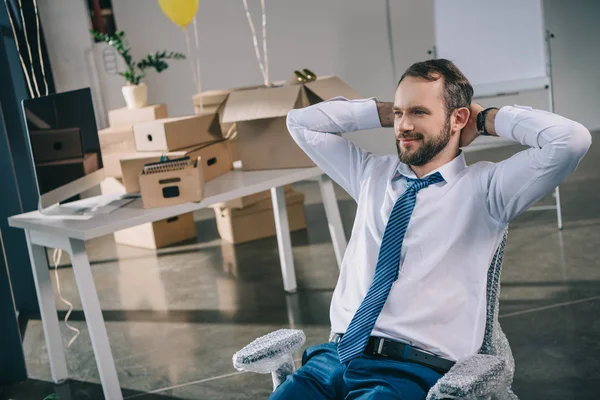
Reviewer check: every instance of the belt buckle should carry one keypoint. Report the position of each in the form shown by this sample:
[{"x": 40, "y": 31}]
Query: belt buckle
[
  {"x": 378, "y": 348},
  {"x": 335, "y": 338}
]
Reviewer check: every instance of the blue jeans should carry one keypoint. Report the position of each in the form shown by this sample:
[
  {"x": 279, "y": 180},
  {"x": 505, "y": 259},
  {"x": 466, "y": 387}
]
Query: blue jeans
[{"x": 322, "y": 376}]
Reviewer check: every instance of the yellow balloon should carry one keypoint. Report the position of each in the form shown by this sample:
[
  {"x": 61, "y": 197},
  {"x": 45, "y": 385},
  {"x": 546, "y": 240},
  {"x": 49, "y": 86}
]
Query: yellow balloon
[{"x": 181, "y": 12}]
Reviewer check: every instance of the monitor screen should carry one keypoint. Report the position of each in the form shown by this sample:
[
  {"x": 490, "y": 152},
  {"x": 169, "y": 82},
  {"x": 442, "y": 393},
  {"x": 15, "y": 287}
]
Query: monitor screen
[{"x": 63, "y": 137}]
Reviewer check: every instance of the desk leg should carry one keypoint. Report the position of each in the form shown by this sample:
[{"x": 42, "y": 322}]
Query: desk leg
[
  {"x": 94, "y": 320},
  {"x": 284, "y": 241},
  {"x": 334, "y": 220},
  {"x": 43, "y": 287}
]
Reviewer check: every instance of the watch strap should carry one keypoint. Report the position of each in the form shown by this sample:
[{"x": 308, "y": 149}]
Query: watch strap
[{"x": 481, "y": 121}]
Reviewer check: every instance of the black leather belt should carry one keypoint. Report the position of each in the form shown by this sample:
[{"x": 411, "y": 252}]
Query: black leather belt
[{"x": 390, "y": 349}]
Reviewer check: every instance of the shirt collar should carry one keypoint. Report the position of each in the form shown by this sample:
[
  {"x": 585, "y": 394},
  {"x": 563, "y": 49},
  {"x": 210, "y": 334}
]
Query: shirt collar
[{"x": 449, "y": 171}]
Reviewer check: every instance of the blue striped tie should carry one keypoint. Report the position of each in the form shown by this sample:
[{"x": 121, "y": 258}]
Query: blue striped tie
[{"x": 357, "y": 335}]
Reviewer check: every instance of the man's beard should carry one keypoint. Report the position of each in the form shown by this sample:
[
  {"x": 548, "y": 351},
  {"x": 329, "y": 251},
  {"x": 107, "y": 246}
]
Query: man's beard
[{"x": 429, "y": 147}]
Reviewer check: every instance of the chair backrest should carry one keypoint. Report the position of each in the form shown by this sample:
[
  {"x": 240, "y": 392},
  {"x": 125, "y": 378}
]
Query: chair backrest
[{"x": 494, "y": 339}]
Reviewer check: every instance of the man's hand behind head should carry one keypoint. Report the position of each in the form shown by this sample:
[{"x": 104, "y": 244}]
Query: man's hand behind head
[{"x": 469, "y": 132}]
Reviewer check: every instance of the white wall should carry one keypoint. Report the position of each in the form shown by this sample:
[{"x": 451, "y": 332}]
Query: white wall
[
  {"x": 576, "y": 58},
  {"x": 347, "y": 38},
  {"x": 66, "y": 25},
  {"x": 575, "y": 62}
]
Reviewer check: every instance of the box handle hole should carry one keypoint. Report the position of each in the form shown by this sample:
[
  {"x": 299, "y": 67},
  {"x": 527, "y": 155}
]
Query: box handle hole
[
  {"x": 169, "y": 180},
  {"x": 211, "y": 161}
]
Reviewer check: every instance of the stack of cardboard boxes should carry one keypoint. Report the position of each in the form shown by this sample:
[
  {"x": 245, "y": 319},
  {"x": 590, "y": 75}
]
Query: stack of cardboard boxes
[
  {"x": 138, "y": 137},
  {"x": 257, "y": 115},
  {"x": 117, "y": 141}
]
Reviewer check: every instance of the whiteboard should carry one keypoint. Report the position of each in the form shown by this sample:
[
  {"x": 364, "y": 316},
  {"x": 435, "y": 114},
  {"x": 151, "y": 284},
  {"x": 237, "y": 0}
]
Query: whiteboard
[{"x": 498, "y": 45}]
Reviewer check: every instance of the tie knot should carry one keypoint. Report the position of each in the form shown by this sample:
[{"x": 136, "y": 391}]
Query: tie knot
[{"x": 418, "y": 184}]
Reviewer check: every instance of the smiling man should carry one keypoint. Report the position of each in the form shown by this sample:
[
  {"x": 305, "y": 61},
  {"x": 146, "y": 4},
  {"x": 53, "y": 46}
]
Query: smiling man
[{"x": 411, "y": 296}]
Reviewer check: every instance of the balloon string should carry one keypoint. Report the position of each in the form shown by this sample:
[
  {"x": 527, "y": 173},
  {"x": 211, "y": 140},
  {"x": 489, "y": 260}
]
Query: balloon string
[
  {"x": 263, "y": 70},
  {"x": 12, "y": 24},
  {"x": 199, "y": 88},
  {"x": 264, "y": 33},
  {"x": 187, "y": 44},
  {"x": 29, "y": 50}
]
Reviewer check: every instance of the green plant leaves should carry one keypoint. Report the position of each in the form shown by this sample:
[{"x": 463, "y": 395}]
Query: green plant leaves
[
  {"x": 157, "y": 60},
  {"x": 135, "y": 71}
]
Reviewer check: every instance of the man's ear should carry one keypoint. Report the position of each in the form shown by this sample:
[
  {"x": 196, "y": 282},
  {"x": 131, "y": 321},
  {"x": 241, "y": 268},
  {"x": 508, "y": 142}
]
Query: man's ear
[{"x": 461, "y": 117}]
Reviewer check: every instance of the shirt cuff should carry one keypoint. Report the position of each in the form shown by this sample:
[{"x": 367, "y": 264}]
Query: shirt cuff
[
  {"x": 505, "y": 122},
  {"x": 366, "y": 114}
]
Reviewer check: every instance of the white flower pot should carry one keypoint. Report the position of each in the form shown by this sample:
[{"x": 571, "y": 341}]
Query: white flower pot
[{"x": 136, "y": 96}]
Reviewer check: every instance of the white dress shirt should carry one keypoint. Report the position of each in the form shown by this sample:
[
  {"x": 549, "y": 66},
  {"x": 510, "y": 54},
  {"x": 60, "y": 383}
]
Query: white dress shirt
[{"x": 438, "y": 302}]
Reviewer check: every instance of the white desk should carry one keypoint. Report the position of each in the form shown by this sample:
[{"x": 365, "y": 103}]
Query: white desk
[{"x": 70, "y": 235}]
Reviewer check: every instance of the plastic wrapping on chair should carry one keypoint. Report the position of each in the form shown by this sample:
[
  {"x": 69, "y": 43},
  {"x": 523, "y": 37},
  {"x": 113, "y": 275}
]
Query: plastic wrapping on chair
[
  {"x": 478, "y": 377},
  {"x": 473, "y": 378},
  {"x": 285, "y": 369},
  {"x": 489, "y": 374},
  {"x": 268, "y": 353}
]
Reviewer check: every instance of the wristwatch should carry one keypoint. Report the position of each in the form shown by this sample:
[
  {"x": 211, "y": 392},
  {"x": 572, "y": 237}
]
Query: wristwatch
[{"x": 481, "y": 121}]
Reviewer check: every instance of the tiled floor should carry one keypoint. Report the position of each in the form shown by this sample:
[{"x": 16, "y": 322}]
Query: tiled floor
[{"x": 175, "y": 317}]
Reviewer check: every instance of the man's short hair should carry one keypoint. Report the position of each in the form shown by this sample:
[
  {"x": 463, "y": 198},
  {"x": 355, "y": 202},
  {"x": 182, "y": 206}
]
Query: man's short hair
[{"x": 458, "y": 91}]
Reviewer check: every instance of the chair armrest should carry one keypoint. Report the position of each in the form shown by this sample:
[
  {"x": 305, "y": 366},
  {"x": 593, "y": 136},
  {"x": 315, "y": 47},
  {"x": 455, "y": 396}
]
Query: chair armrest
[
  {"x": 476, "y": 377},
  {"x": 267, "y": 353}
]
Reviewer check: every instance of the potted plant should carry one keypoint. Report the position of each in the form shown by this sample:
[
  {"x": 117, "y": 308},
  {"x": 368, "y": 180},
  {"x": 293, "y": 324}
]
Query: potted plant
[{"x": 136, "y": 92}]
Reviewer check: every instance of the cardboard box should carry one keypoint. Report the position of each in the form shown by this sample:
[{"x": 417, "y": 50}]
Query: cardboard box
[
  {"x": 153, "y": 235},
  {"x": 213, "y": 102},
  {"x": 132, "y": 167},
  {"x": 54, "y": 174},
  {"x": 170, "y": 186},
  {"x": 327, "y": 88},
  {"x": 215, "y": 158},
  {"x": 56, "y": 144},
  {"x": 263, "y": 141},
  {"x": 112, "y": 185},
  {"x": 112, "y": 163},
  {"x": 209, "y": 101},
  {"x": 247, "y": 201},
  {"x": 116, "y": 143},
  {"x": 257, "y": 221},
  {"x": 159, "y": 234},
  {"x": 118, "y": 139},
  {"x": 170, "y": 134},
  {"x": 131, "y": 116}
]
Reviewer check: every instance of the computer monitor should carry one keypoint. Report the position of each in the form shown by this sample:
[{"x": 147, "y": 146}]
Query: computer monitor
[{"x": 64, "y": 144}]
